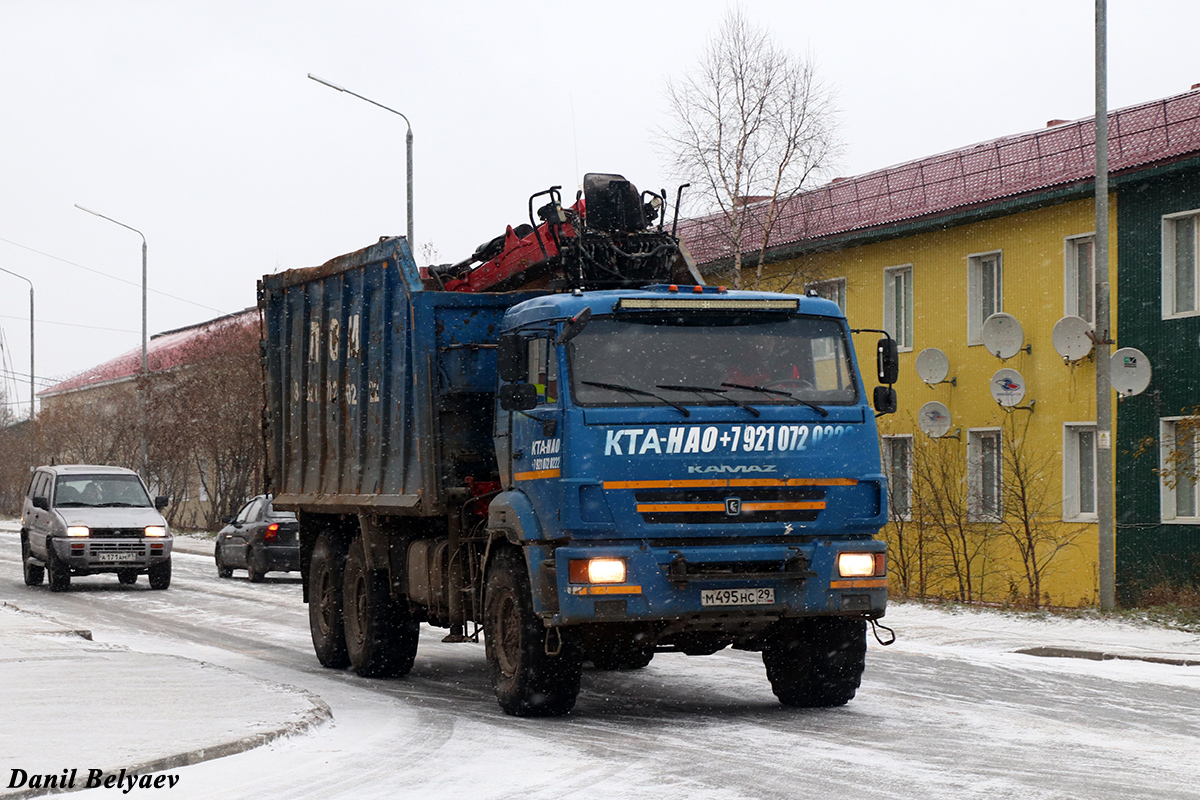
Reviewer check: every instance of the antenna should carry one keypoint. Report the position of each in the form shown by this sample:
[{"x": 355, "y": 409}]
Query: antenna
[
  {"x": 1007, "y": 388},
  {"x": 1129, "y": 371},
  {"x": 934, "y": 419},
  {"x": 1071, "y": 338},
  {"x": 933, "y": 366},
  {"x": 1003, "y": 336}
]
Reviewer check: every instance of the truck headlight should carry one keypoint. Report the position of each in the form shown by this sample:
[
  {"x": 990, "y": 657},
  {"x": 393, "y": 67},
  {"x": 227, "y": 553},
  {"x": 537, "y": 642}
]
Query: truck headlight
[
  {"x": 156, "y": 530},
  {"x": 860, "y": 565},
  {"x": 597, "y": 570},
  {"x": 78, "y": 530}
]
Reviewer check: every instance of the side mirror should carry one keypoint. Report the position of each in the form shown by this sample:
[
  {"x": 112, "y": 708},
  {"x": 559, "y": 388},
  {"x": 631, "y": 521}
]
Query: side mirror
[
  {"x": 885, "y": 400},
  {"x": 574, "y": 326},
  {"x": 42, "y": 503},
  {"x": 510, "y": 358},
  {"x": 518, "y": 396},
  {"x": 161, "y": 502},
  {"x": 887, "y": 360},
  {"x": 227, "y": 520}
]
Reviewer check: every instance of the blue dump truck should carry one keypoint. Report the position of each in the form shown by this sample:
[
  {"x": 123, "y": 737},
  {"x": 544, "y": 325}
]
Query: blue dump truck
[{"x": 609, "y": 461}]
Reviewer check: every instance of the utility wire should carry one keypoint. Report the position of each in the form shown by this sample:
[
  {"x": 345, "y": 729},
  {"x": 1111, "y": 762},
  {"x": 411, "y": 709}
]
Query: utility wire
[{"x": 113, "y": 277}]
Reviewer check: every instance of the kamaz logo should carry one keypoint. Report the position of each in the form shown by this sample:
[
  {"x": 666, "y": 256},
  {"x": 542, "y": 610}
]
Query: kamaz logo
[
  {"x": 733, "y": 506},
  {"x": 731, "y": 468}
]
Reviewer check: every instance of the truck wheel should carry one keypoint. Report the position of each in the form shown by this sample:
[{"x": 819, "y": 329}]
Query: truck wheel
[
  {"x": 33, "y": 575},
  {"x": 59, "y": 573},
  {"x": 528, "y": 681},
  {"x": 381, "y": 636},
  {"x": 222, "y": 570},
  {"x": 252, "y": 571},
  {"x": 325, "y": 575},
  {"x": 160, "y": 574},
  {"x": 816, "y": 663},
  {"x": 127, "y": 577}
]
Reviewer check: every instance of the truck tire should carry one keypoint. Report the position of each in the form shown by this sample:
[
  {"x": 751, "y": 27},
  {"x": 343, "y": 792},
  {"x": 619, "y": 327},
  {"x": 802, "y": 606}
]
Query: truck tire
[
  {"x": 58, "y": 572},
  {"x": 33, "y": 575},
  {"x": 816, "y": 663},
  {"x": 160, "y": 575},
  {"x": 222, "y": 570},
  {"x": 381, "y": 636},
  {"x": 528, "y": 681},
  {"x": 325, "y": 575}
]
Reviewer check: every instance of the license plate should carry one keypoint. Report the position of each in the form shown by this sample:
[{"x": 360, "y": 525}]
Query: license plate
[
  {"x": 737, "y": 597},
  {"x": 117, "y": 557}
]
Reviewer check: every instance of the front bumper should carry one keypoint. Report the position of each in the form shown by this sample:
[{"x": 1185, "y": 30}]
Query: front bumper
[
  {"x": 665, "y": 584},
  {"x": 88, "y": 554}
]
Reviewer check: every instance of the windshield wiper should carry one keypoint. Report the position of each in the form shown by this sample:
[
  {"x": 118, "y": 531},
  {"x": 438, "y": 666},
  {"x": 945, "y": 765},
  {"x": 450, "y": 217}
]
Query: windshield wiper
[
  {"x": 788, "y": 395},
  {"x": 616, "y": 387},
  {"x": 718, "y": 392},
  {"x": 120, "y": 504}
]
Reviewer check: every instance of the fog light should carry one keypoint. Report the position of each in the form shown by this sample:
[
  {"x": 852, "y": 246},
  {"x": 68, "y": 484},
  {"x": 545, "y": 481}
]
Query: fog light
[
  {"x": 856, "y": 565},
  {"x": 597, "y": 570},
  {"x": 78, "y": 530},
  {"x": 156, "y": 530}
]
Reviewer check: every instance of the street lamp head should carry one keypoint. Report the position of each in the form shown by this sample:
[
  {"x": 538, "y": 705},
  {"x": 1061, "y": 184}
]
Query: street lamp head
[{"x": 327, "y": 83}]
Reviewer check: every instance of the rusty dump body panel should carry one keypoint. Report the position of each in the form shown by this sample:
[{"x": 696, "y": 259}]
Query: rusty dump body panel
[{"x": 379, "y": 392}]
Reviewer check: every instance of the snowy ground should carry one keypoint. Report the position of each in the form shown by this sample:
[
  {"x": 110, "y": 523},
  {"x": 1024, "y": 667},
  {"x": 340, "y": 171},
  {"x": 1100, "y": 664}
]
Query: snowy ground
[{"x": 950, "y": 711}]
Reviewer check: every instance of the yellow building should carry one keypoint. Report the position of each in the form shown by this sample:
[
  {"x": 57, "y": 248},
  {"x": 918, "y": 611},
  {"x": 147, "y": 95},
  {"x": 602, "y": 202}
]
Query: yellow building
[{"x": 993, "y": 492}]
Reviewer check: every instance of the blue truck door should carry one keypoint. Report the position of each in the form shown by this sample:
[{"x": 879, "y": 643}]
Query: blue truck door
[{"x": 537, "y": 433}]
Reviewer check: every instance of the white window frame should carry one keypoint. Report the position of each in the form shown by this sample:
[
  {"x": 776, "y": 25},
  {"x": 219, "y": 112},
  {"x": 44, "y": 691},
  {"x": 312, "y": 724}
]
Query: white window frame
[
  {"x": 1168, "y": 496},
  {"x": 1071, "y": 247},
  {"x": 975, "y": 274},
  {"x": 975, "y": 476},
  {"x": 904, "y": 338},
  {"x": 1074, "y": 471},
  {"x": 1169, "y": 287},
  {"x": 832, "y": 289},
  {"x": 889, "y": 442}
]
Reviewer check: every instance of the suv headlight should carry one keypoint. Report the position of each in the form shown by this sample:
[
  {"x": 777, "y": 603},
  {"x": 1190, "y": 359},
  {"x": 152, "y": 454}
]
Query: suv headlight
[
  {"x": 156, "y": 530},
  {"x": 78, "y": 530}
]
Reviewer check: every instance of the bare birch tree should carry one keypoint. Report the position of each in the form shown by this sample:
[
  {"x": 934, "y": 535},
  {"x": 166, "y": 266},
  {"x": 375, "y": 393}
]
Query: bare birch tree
[{"x": 752, "y": 126}]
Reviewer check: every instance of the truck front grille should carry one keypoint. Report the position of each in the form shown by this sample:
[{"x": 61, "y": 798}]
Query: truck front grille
[{"x": 730, "y": 504}]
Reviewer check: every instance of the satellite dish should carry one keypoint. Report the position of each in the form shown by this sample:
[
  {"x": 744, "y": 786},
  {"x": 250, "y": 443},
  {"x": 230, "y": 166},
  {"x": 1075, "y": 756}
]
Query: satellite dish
[
  {"x": 934, "y": 419},
  {"x": 932, "y": 365},
  {"x": 1008, "y": 387},
  {"x": 1002, "y": 335},
  {"x": 1071, "y": 339},
  {"x": 1129, "y": 371}
]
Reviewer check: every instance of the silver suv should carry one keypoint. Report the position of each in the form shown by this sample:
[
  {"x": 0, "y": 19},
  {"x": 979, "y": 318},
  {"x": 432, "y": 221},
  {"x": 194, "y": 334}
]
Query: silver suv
[{"x": 80, "y": 519}]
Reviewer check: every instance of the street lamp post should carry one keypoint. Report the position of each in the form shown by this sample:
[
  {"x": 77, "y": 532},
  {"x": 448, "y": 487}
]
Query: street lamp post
[
  {"x": 31, "y": 372},
  {"x": 145, "y": 370},
  {"x": 408, "y": 141}
]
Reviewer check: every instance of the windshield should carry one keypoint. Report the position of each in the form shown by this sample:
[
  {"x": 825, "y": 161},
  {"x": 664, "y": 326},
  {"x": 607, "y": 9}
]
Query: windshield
[
  {"x": 90, "y": 491},
  {"x": 796, "y": 358}
]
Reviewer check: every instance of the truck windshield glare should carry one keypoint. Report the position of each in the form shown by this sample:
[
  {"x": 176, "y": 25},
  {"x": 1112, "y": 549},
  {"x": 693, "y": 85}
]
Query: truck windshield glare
[{"x": 805, "y": 358}]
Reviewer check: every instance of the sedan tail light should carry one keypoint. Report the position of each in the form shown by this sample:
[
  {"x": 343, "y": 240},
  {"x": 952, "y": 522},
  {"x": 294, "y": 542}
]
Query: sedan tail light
[{"x": 271, "y": 533}]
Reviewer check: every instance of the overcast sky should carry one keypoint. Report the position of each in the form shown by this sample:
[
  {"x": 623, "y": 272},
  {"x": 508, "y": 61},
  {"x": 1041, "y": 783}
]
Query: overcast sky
[{"x": 194, "y": 122}]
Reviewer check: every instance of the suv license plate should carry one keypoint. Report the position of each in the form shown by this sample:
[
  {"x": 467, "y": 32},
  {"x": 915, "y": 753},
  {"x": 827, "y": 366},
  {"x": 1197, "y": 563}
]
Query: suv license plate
[
  {"x": 117, "y": 557},
  {"x": 737, "y": 597}
]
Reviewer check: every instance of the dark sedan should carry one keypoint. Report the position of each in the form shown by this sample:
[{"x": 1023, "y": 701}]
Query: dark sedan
[{"x": 259, "y": 540}]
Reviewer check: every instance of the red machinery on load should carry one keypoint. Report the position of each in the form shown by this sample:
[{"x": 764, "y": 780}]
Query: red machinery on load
[{"x": 604, "y": 240}]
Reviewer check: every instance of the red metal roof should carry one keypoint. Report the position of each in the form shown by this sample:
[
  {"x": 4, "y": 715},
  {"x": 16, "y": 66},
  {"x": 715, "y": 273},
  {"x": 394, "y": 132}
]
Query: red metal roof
[
  {"x": 164, "y": 351},
  {"x": 971, "y": 177}
]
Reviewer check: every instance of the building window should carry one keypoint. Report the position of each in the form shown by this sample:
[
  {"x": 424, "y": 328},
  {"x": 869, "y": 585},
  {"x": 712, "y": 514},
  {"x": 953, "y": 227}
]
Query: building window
[
  {"x": 1079, "y": 472},
  {"x": 834, "y": 290},
  {"x": 1177, "y": 469},
  {"x": 984, "y": 464},
  {"x": 985, "y": 292},
  {"x": 1179, "y": 243},
  {"x": 897, "y": 305},
  {"x": 1079, "y": 280},
  {"x": 897, "y": 462}
]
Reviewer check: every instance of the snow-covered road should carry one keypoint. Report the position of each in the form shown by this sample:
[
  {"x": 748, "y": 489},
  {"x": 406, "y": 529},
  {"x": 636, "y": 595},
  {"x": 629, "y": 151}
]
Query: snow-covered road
[{"x": 950, "y": 711}]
